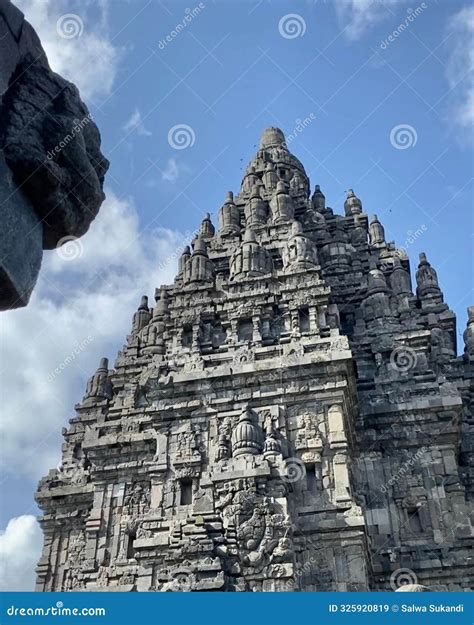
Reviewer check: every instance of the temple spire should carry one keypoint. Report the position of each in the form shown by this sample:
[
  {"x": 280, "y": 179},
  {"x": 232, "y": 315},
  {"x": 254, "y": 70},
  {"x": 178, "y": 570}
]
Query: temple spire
[{"x": 352, "y": 205}]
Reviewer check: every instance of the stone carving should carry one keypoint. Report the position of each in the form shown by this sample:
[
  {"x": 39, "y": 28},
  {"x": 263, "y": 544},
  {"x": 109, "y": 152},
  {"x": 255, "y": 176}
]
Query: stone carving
[
  {"x": 299, "y": 252},
  {"x": 304, "y": 427},
  {"x": 224, "y": 444},
  {"x": 99, "y": 385},
  {"x": 251, "y": 259},
  {"x": 247, "y": 436},
  {"x": 51, "y": 167},
  {"x": 137, "y": 499},
  {"x": 243, "y": 354},
  {"x": 282, "y": 204},
  {"x": 62, "y": 179}
]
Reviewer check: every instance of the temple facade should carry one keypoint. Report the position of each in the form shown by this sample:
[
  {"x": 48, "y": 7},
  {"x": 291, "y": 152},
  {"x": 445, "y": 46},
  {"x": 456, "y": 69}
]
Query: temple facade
[{"x": 290, "y": 415}]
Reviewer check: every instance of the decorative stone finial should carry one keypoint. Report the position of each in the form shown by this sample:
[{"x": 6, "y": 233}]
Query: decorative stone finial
[
  {"x": 250, "y": 180},
  {"x": 272, "y": 446},
  {"x": 99, "y": 385},
  {"x": 318, "y": 200},
  {"x": 282, "y": 204},
  {"x": 229, "y": 217},
  {"x": 161, "y": 299},
  {"x": 376, "y": 282},
  {"x": 247, "y": 437},
  {"x": 359, "y": 234},
  {"x": 299, "y": 183},
  {"x": 426, "y": 279},
  {"x": 198, "y": 267},
  {"x": 251, "y": 259},
  {"x": 300, "y": 251},
  {"x": 142, "y": 316},
  {"x": 183, "y": 260},
  {"x": 200, "y": 246},
  {"x": 270, "y": 177},
  {"x": 400, "y": 279},
  {"x": 352, "y": 205},
  {"x": 256, "y": 209},
  {"x": 272, "y": 137},
  {"x": 376, "y": 231},
  {"x": 207, "y": 230}
]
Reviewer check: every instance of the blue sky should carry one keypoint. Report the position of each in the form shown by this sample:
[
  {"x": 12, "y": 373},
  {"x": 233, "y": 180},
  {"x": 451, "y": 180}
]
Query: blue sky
[
  {"x": 230, "y": 73},
  {"x": 390, "y": 115}
]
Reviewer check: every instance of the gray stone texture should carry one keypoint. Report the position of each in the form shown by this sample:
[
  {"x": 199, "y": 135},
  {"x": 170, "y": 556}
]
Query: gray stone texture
[
  {"x": 51, "y": 167},
  {"x": 288, "y": 416}
]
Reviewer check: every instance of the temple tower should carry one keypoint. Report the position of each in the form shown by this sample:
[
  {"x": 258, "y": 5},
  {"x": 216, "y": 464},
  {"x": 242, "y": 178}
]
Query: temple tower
[{"x": 289, "y": 416}]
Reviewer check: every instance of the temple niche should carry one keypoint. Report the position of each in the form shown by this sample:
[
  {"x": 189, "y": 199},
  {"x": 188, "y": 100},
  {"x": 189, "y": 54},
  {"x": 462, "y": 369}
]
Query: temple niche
[{"x": 288, "y": 415}]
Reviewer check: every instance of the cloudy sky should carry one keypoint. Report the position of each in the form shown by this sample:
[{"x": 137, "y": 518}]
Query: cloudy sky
[{"x": 378, "y": 96}]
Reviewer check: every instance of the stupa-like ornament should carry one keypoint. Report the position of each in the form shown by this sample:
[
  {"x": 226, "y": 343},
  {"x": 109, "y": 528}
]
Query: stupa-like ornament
[{"x": 289, "y": 415}]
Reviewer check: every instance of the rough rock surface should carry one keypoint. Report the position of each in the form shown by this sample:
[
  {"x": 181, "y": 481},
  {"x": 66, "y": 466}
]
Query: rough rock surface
[
  {"x": 51, "y": 167},
  {"x": 52, "y": 146},
  {"x": 289, "y": 415}
]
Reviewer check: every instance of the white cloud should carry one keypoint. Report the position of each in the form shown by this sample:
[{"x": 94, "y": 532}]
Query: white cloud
[
  {"x": 20, "y": 549},
  {"x": 171, "y": 172},
  {"x": 460, "y": 70},
  {"x": 80, "y": 308},
  {"x": 135, "y": 123},
  {"x": 357, "y": 16},
  {"x": 88, "y": 59}
]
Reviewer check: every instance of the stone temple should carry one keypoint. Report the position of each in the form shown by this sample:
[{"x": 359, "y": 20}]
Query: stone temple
[{"x": 290, "y": 415}]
